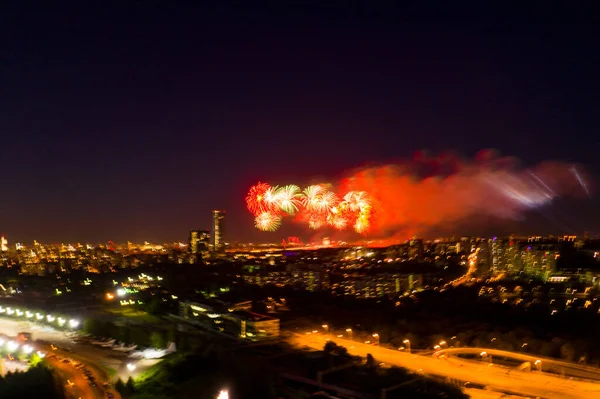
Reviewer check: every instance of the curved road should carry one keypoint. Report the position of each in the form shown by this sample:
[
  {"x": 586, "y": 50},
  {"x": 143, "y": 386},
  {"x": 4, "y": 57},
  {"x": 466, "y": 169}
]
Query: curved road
[
  {"x": 547, "y": 364},
  {"x": 494, "y": 378}
]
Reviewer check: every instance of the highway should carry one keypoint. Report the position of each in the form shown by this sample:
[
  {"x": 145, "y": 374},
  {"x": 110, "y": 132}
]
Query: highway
[
  {"x": 68, "y": 346},
  {"x": 545, "y": 364},
  {"x": 494, "y": 378}
]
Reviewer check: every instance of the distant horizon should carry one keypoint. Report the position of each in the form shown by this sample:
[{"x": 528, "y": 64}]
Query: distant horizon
[{"x": 12, "y": 243}]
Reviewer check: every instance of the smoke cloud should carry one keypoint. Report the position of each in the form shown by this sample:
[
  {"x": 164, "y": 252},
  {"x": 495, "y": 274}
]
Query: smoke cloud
[{"x": 434, "y": 192}]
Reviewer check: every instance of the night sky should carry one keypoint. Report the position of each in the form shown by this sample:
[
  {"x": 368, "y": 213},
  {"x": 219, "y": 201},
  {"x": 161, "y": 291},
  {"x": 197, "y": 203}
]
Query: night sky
[{"x": 133, "y": 120}]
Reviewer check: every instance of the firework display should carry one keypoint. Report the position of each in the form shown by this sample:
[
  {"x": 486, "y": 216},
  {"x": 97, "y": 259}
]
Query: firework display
[
  {"x": 316, "y": 205},
  {"x": 423, "y": 194}
]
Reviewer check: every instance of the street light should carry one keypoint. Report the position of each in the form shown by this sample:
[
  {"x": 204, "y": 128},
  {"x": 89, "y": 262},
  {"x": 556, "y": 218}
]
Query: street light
[
  {"x": 483, "y": 355},
  {"x": 538, "y": 364},
  {"x": 456, "y": 342},
  {"x": 349, "y": 331},
  {"x": 223, "y": 394},
  {"x": 442, "y": 343},
  {"x": 326, "y": 328},
  {"x": 376, "y": 336},
  {"x": 407, "y": 342}
]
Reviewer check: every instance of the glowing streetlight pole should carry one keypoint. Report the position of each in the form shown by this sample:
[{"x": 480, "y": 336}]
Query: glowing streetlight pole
[
  {"x": 326, "y": 328},
  {"x": 538, "y": 365},
  {"x": 349, "y": 331},
  {"x": 485, "y": 356},
  {"x": 376, "y": 336},
  {"x": 407, "y": 342}
]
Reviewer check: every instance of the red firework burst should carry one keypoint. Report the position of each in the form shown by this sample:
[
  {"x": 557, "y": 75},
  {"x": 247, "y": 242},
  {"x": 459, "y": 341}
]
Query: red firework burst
[{"x": 255, "y": 200}]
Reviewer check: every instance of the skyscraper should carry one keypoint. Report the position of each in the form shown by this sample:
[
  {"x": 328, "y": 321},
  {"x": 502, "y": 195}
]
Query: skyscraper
[
  {"x": 217, "y": 241},
  {"x": 198, "y": 243}
]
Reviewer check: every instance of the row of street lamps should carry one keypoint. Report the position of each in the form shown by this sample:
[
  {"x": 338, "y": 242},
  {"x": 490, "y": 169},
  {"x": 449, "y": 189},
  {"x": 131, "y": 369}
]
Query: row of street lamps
[
  {"x": 39, "y": 317},
  {"x": 374, "y": 335},
  {"x": 484, "y": 355}
]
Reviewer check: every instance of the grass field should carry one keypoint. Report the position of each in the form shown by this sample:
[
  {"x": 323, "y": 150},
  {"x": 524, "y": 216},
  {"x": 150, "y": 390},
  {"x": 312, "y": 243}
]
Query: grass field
[{"x": 133, "y": 314}]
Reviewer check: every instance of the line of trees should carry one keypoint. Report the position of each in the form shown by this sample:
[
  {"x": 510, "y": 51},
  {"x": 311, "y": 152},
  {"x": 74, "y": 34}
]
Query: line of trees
[
  {"x": 37, "y": 382},
  {"x": 461, "y": 318},
  {"x": 370, "y": 378},
  {"x": 134, "y": 334},
  {"x": 202, "y": 374}
]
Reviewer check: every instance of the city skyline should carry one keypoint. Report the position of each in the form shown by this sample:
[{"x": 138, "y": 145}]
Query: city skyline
[
  {"x": 139, "y": 131},
  {"x": 291, "y": 199}
]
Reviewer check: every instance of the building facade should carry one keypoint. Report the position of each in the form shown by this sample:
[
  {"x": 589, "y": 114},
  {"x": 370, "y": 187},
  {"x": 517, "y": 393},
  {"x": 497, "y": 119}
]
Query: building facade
[
  {"x": 199, "y": 242},
  {"x": 232, "y": 320},
  {"x": 217, "y": 241}
]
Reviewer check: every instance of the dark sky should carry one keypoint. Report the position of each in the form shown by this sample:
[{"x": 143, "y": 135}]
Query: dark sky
[{"x": 132, "y": 120}]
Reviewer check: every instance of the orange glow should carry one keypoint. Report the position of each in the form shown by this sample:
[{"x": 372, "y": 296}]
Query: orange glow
[{"x": 429, "y": 193}]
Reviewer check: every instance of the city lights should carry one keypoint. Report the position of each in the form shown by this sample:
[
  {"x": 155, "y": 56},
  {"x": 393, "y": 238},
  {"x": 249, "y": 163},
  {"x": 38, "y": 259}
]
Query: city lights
[{"x": 307, "y": 200}]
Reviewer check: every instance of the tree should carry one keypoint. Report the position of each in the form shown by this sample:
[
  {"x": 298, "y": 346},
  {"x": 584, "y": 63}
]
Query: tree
[
  {"x": 34, "y": 360},
  {"x": 567, "y": 352},
  {"x": 89, "y": 326},
  {"x": 120, "y": 386},
  {"x": 330, "y": 348},
  {"x": 153, "y": 306},
  {"x": 130, "y": 386},
  {"x": 370, "y": 361},
  {"x": 157, "y": 340},
  {"x": 35, "y": 382}
]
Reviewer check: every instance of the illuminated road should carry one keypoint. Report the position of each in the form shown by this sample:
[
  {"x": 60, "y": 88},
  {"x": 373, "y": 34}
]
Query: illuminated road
[
  {"x": 79, "y": 387},
  {"x": 481, "y": 394},
  {"x": 546, "y": 364},
  {"x": 499, "y": 379}
]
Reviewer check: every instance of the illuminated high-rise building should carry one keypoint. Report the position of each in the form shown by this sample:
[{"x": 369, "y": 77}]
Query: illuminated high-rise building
[
  {"x": 4, "y": 244},
  {"x": 216, "y": 241},
  {"x": 198, "y": 243}
]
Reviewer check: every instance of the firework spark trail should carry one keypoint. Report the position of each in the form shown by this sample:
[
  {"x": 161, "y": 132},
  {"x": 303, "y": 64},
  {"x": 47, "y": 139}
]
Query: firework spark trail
[
  {"x": 267, "y": 221},
  {"x": 288, "y": 199},
  {"x": 319, "y": 207},
  {"x": 581, "y": 181},
  {"x": 426, "y": 193}
]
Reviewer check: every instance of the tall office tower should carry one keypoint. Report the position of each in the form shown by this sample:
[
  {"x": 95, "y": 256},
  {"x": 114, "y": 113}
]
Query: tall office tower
[
  {"x": 198, "y": 243},
  {"x": 217, "y": 242}
]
